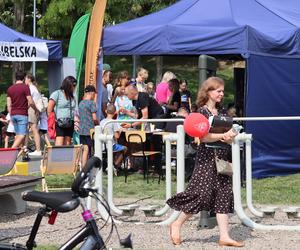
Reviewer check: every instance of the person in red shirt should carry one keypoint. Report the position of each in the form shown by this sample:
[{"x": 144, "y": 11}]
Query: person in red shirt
[{"x": 18, "y": 101}]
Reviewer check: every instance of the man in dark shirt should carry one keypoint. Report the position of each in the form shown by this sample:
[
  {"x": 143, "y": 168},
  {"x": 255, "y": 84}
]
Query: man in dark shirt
[
  {"x": 146, "y": 106},
  {"x": 18, "y": 101}
]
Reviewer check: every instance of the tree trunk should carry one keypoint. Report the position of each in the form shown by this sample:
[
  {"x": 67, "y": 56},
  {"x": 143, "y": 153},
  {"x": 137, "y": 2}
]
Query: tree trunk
[
  {"x": 159, "y": 66},
  {"x": 19, "y": 26},
  {"x": 136, "y": 64},
  {"x": 19, "y": 15}
]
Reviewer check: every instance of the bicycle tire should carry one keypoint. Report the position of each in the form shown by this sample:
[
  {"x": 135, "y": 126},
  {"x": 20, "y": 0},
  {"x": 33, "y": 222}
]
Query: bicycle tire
[{"x": 12, "y": 246}]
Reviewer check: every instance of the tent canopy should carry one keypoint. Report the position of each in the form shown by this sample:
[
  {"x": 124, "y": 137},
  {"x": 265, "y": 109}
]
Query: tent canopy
[
  {"x": 265, "y": 32},
  {"x": 210, "y": 27},
  {"x": 15, "y": 46}
]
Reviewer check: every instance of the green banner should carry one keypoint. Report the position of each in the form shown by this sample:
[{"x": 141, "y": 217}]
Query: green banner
[{"x": 77, "y": 45}]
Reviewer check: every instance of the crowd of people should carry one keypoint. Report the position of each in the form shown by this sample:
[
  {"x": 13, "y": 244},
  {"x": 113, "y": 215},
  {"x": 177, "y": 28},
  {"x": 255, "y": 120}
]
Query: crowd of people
[{"x": 127, "y": 99}]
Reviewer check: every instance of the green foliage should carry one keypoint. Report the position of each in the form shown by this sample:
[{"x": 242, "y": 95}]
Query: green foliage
[
  {"x": 6, "y": 12},
  {"x": 227, "y": 75},
  {"x": 62, "y": 15},
  {"x": 184, "y": 67},
  {"x": 119, "y": 10},
  {"x": 2, "y": 101}
]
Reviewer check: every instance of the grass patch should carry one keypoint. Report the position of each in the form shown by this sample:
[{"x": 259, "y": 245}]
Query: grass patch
[
  {"x": 276, "y": 190},
  {"x": 46, "y": 248},
  {"x": 137, "y": 187},
  {"x": 57, "y": 181}
]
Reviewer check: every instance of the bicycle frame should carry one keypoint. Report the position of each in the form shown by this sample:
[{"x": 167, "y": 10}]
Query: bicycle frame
[
  {"x": 88, "y": 234},
  {"x": 81, "y": 189}
]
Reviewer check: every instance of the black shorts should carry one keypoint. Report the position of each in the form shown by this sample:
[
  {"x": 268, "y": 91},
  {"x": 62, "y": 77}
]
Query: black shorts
[
  {"x": 43, "y": 131},
  {"x": 9, "y": 134},
  {"x": 64, "y": 131},
  {"x": 87, "y": 140}
]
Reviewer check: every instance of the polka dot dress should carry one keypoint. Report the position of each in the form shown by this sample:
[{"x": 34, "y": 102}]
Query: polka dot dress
[{"x": 207, "y": 190}]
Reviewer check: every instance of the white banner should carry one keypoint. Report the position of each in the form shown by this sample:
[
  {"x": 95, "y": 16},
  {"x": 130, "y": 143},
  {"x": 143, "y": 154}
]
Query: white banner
[{"x": 23, "y": 51}]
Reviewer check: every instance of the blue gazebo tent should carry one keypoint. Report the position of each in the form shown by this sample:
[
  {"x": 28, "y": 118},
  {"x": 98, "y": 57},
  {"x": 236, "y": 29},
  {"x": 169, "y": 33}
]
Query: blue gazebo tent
[
  {"x": 15, "y": 46},
  {"x": 264, "y": 32}
]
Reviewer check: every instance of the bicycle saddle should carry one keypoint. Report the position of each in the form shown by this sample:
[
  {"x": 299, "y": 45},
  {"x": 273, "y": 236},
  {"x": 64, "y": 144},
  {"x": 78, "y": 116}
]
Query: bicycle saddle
[{"x": 58, "y": 201}]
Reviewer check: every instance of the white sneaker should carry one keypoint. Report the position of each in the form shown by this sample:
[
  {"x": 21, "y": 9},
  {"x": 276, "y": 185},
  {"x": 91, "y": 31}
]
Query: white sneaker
[{"x": 36, "y": 153}]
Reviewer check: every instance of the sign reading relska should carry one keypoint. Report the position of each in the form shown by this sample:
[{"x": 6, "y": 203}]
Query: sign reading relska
[{"x": 23, "y": 51}]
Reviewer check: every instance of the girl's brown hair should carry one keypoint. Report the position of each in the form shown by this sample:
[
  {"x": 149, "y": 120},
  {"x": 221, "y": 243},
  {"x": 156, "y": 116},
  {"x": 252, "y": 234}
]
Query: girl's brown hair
[
  {"x": 211, "y": 83},
  {"x": 121, "y": 75}
]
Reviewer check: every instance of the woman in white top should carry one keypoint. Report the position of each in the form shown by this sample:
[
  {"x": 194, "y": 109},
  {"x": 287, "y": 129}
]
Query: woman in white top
[{"x": 33, "y": 119}]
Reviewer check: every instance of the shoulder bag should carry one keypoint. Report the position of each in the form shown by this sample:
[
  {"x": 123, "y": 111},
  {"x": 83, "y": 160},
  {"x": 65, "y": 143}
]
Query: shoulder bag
[
  {"x": 223, "y": 167},
  {"x": 65, "y": 122}
]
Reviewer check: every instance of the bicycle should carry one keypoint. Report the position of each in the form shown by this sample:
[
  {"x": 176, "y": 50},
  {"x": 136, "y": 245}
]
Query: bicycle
[{"x": 62, "y": 202}]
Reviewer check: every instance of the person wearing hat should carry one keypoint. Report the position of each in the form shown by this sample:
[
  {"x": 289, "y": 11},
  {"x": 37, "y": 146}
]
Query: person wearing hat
[{"x": 88, "y": 119}]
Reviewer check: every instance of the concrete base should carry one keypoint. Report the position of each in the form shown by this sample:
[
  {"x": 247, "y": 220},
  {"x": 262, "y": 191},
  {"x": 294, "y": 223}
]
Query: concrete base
[
  {"x": 11, "y": 194},
  {"x": 206, "y": 221}
]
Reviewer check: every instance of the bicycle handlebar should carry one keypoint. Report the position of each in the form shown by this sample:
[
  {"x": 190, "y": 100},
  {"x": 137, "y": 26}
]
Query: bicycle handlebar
[{"x": 83, "y": 175}]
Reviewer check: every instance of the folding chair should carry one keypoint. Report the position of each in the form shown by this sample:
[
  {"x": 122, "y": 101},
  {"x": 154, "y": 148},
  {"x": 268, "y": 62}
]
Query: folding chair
[
  {"x": 60, "y": 160},
  {"x": 139, "y": 137},
  {"x": 8, "y": 157}
]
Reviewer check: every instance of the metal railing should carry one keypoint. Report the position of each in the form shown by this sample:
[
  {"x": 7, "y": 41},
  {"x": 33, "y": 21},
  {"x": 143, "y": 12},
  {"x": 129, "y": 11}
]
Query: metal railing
[{"x": 179, "y": 137}]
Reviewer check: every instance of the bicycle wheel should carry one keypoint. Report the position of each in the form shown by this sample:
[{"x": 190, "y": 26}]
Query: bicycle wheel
[{"x": 12, "y": 246}]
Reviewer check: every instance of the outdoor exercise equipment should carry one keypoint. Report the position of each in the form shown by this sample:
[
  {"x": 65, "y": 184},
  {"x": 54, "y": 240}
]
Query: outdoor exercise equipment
[
  {"x": 179, "y": 137},
  {"x": 196, "y": 125},
  {"x": 63, "y": 202},
  {"x": 292, "y": 212},
  {"x": 151, "y": 209}
]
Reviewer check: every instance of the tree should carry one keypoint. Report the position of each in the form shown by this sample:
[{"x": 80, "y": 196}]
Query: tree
[
  {"x": 61, "y": 16},
  {"x": 119, "y": 10},
  {"x": 19, "y": 26}
]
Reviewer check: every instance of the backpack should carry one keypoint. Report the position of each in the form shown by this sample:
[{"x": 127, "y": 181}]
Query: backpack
[{"x": 42, "y": 103}]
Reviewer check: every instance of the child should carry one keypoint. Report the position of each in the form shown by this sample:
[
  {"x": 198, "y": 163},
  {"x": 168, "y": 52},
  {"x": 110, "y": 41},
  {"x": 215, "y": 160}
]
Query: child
[
  {"x": 87, "y": 112},
  {"x": 43, "y": 127},
  {"x": 10, "y": 131},
  {"x": 123, "y": 105},
  {"x": 113, "y": 129},
  {"x": 151, "y": 89}
]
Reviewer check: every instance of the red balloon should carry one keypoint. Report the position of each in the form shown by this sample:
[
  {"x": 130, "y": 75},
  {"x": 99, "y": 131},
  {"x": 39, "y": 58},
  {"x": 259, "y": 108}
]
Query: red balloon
[{"x": 196, "y": 125}]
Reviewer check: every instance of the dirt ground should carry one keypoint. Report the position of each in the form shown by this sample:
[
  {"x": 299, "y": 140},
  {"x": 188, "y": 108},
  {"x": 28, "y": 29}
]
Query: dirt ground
[{"x": 146, "y": 234}]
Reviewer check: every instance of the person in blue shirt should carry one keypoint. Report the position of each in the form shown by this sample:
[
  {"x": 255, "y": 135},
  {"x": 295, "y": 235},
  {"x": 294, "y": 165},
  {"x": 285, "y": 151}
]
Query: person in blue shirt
[{"x": 88, "y": 119}]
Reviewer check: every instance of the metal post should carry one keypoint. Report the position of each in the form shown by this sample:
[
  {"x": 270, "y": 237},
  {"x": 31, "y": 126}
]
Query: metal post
[
  {"x": 237, "y": 191},
  {"x": 110, "y": 173},
  {"x": 134, "y": 66},
  {"x": 34, "y": 33},
  {"x": 179, "y": 137},
  {"x": 249, "y": 179},
  {"x": 180, "y": 172},
  {"x": 167, "y": 139},
  {"x": 207, "y": 67},
  {"x": 98, "y": 182}
]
